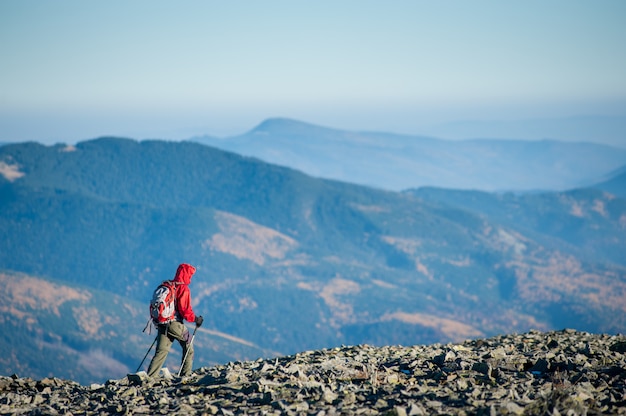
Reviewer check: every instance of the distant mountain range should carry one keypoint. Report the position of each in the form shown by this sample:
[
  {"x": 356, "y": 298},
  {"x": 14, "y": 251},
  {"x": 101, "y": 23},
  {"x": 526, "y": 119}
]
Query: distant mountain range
[
  {"x": 609, "y": 130},
  {"x": 614, "y": 182},
  {"x": 286, "y": 262},
  {"x": 397, "y": 162}
]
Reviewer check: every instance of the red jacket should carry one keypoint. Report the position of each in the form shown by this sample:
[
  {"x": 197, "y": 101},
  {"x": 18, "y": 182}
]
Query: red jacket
[{"x": 183, "y": 296}]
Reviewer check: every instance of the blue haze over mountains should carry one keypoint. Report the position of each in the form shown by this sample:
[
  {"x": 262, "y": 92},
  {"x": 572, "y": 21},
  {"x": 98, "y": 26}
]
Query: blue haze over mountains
[
  {"x": 399, "y": 162},
  {"x": 609, "y": 130},
  {"x": 288, "y": 261}
]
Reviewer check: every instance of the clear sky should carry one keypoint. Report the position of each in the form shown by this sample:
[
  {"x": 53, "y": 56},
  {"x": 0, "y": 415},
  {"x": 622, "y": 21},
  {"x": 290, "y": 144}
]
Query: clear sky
[{"x": 71, "y": 70}]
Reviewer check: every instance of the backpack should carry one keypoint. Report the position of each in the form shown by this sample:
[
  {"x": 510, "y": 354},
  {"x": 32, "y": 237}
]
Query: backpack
[{"x": 163, "y": 303}]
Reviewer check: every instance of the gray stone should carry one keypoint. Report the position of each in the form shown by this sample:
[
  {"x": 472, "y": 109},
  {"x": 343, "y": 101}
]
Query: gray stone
[
  {"x": 138, "y": 378},
  {"x": 482, "y": 367},
  {"x": 618, "y": 347},
  {"x": 540, "y": 367},
  {"x": 561, "y": 372}
]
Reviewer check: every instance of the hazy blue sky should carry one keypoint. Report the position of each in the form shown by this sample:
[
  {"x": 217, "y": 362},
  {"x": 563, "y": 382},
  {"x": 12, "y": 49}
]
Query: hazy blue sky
[{"x": 74, "y": 70}]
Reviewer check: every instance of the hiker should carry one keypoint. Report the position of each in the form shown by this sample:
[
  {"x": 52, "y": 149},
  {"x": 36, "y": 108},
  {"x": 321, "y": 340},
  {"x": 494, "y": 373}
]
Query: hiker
[{"x": 176, "y": 330}]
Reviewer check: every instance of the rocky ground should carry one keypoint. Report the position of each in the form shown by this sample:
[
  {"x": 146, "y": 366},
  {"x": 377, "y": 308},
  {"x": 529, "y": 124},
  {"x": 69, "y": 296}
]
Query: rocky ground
[{"x": 555, "y": 373}]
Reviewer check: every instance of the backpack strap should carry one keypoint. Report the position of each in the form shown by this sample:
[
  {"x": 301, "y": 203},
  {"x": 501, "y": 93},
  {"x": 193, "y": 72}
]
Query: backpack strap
[
  {"x": 175, "y": 286},
  {"x": 148, "y": 324}
]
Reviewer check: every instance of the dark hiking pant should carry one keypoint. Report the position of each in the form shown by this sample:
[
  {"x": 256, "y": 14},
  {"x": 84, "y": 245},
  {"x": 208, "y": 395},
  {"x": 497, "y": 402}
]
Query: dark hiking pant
[{"x": 167, "y": 335}]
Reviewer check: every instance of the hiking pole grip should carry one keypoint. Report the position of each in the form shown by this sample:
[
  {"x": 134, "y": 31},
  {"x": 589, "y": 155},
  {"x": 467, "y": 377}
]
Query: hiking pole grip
[
  {"x": 148, "y": 352},
  {"x": 182, "y": 363}
]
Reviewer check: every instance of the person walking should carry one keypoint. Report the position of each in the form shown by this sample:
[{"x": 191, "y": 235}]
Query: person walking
[{"x": 176, "y": 330}]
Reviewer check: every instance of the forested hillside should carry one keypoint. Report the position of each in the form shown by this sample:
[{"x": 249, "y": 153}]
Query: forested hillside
[
  {"x": 287, "y": 262},
  {"x": 615, "y": 182}
]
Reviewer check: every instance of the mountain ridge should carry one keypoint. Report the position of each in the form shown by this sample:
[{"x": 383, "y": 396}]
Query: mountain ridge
[
  {"x": 290, "y": 262},
  {"x": 583, "y": 128},
  {"x": 398, "y": 162},
  {"x": 614, "y": 182}
]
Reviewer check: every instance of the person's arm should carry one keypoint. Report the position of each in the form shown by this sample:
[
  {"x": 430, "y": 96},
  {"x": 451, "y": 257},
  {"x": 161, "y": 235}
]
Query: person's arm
[{"x": 184, "y": 304}]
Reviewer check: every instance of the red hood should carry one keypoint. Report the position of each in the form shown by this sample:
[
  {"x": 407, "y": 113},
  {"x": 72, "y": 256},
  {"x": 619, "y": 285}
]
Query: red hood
[{"x": 184, "y": 273}]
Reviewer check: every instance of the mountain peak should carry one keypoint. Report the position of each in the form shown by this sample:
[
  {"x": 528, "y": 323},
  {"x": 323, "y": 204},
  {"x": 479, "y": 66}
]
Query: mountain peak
[{"x": 281, "y": 126}]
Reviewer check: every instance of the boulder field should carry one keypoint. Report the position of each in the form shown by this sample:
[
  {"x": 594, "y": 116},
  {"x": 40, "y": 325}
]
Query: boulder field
[{"x": 536, "y": 373}]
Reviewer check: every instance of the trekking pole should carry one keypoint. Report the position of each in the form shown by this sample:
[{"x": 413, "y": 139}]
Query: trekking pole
[
  {"x": 144, "y": 357},
  {"x": 187, "y": 352}
]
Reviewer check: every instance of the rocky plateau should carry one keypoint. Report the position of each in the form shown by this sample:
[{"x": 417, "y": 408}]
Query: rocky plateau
[{"x": 535, "y": 373}]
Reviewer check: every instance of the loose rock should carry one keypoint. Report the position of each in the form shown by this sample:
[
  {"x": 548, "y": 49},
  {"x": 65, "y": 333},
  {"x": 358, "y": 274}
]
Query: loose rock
[{"x": 561, "y": 372}]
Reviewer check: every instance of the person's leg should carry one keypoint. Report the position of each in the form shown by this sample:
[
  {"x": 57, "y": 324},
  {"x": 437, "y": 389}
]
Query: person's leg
[
  {"x": 164, "y": 343},
  {"x": 180, "y": 332}
]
